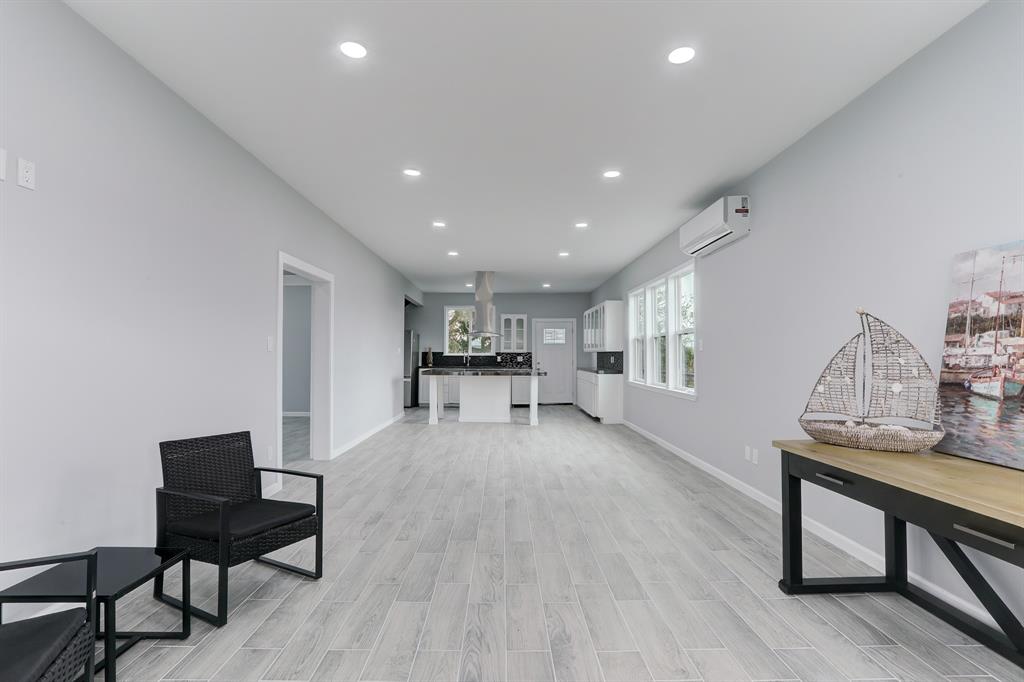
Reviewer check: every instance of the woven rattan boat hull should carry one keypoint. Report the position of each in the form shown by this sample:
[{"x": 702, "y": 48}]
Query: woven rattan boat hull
[{"x": 871, "y": 438}]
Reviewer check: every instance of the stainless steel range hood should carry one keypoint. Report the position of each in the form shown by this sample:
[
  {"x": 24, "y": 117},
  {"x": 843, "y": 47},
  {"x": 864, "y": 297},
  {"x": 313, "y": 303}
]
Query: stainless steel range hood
[{"x": 484, "y": 319}]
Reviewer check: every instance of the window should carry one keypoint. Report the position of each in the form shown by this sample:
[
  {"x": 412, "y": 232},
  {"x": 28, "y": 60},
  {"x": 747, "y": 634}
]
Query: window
[
  {"x": 637, "y": 337},
  {"x": 662, "y": 333},
  {"x": 684, "y": 331},
  {"x": 458, "y": 320},
  {"x": 554, "y": 335}
]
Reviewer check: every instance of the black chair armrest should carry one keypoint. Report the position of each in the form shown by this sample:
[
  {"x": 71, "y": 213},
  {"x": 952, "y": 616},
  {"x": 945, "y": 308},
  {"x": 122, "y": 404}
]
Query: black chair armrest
[
  {"x": 212, "y": 499},
  {"x": 88, "y": 595},
  {"x": 319, "y": 478},
  {"x": 222, "y": 504},
  {"x": 44, "y": 561},
  {"x": 290, "y": 472}
]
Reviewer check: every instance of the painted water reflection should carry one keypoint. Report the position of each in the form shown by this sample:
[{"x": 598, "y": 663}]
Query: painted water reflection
[{"x": 981, "y": 428}]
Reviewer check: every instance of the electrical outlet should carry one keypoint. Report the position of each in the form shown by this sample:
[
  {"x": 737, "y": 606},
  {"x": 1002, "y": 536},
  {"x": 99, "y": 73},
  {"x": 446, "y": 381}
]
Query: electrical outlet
[
  {"x": 26, "y": 174},
  {"x": 270, "y": 344},
  {"x": 746, "y": 452},
  {"x": 3, "y": 165},
  {"x": 754, "y": 455}
]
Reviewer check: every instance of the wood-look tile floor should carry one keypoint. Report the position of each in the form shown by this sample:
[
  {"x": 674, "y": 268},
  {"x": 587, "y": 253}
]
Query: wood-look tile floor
[
  {"x": 568, "y": 551},
  {"x": 294, "y": 439}
]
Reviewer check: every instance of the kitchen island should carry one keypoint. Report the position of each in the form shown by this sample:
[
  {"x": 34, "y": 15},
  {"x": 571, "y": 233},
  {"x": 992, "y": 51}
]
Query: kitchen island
[{"x": 485, "y": 393}]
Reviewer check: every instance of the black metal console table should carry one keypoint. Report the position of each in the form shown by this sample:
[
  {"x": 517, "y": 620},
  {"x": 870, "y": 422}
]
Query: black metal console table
[
  {"x": 119, "y": 570},
  {"x": 957, "y": 501}
]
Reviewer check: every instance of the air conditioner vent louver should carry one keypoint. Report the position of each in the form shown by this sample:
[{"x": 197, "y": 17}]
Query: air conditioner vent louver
[{"x": 721, "y": 223}]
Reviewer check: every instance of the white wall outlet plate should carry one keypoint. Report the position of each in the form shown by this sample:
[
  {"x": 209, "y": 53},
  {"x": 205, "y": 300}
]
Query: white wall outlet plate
[
  {"x": 3, "y": 165},
  {"x": 26, "y": 174},
  {"x": 746, "y": 452},
  {"x": 754, "y": 455}
]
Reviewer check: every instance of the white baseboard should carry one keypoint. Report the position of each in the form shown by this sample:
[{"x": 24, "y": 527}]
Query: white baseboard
[
  {"x": 295, "y": 414},
  {"x": 848, "y": 545},
  {"x": 359, "y": 439}
]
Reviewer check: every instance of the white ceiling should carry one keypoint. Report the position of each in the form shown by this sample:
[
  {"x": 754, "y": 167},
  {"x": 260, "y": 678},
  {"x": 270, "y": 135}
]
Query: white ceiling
[{"x": 513, "y": 109}]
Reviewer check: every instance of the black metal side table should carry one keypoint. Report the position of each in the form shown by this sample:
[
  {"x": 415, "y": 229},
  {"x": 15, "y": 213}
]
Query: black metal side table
[{"x": 119, "y": 570}]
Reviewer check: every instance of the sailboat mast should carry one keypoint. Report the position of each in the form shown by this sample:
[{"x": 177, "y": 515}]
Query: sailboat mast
[
  {"x": 865, "y": 365},
  {"x": 970, "y": 303},
  {"x": 999, "y": 307}
]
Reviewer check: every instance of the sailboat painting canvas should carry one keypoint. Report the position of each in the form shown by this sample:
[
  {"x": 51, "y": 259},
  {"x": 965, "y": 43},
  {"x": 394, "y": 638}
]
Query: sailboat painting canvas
[{"x": 981, "y": 387}]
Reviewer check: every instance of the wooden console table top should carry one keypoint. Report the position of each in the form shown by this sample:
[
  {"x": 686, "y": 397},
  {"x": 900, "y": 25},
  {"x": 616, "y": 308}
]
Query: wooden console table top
[{"x": 987, "y": 489}]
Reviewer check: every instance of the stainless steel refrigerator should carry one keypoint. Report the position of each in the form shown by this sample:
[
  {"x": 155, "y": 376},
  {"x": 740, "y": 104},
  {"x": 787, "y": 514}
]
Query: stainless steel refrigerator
[{"x": 410, "y": 373}]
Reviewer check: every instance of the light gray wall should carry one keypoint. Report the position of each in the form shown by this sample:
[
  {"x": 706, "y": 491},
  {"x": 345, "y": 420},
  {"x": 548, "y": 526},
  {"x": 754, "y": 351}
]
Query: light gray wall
[
  {"x": 296, "y": 346},
  {"x": 866, "y": 210},
  {"x": 428, "y": 319},
  {"x": 138, "y": 288}
]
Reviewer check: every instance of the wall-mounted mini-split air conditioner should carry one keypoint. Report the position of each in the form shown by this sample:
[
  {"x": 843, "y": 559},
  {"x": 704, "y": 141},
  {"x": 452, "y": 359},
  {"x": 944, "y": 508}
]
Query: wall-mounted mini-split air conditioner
[{"x": 719, "y": 224}]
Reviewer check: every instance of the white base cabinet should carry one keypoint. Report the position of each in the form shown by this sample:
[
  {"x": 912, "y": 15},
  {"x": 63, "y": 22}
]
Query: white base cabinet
[
  {"x": 600, "y": 395},
  {"x": 520, "y": 390},
  {"x": 451, "y": 390}
]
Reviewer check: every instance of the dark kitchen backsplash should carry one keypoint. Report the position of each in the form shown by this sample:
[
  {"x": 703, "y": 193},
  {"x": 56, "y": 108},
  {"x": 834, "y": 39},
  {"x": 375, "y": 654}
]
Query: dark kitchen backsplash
[
  {"x": 610, "y": 362},
  {"x": 507, "y": 360}
]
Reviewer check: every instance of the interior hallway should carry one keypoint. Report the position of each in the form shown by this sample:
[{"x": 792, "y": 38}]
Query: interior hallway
[{"x": 568, "y": 551}]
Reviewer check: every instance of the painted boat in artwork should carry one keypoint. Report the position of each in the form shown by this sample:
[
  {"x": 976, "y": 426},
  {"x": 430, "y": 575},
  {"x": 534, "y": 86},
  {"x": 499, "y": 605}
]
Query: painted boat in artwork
[
  {"x": 997, "y": 383},
  {"x": 876, "y": 393}
]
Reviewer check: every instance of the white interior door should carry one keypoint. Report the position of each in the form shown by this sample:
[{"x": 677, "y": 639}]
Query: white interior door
[{"x": 554, "y": 351}]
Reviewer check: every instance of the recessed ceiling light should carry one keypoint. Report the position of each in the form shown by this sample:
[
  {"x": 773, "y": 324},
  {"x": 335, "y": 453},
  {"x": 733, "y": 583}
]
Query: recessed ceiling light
[
  {"x": 439, "y": 224},
  {"x": 469, "y": 284},
  {"x": 412, "y": 172},
  {"x": 611, "y": 174},
  {"x": 353, "y": 50},
  {"x": 453, "y": 253},
  {"x": 582, "y": 226},
  {"x": 546, "y": 285},
  {"x": 563, "y": 254},
  {"x": 681, "y": 55}
]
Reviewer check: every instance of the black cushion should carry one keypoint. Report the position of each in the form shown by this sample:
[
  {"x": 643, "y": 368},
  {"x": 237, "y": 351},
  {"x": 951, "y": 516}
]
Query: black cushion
[
  {"x": 244, "y": 519},
  {"x": 29, "y": 646}
]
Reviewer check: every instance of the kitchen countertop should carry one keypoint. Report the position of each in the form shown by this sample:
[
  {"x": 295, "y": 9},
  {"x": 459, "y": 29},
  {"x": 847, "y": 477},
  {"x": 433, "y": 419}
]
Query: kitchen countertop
[
  {"x": 482, "y": 371},
  {"x": 599, "y": 371}
]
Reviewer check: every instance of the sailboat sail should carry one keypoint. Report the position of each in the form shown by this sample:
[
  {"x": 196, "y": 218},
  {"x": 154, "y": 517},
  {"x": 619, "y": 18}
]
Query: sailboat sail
[
  {"x": 876, "y": 381},
  {"x": 836, "y": 392},
  {"x": 901, "y": 384}
]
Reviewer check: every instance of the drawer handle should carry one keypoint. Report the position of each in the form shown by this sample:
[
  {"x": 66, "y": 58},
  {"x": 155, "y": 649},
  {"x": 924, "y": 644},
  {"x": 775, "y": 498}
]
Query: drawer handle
[
  {"x": 984, "y": 536},
  {"x": 831, "y": 479}
]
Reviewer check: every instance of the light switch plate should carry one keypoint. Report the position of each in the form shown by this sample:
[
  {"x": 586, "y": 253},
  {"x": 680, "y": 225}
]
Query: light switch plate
[
  {"x": 3, "y": 165},
  {"x": 26, "y": 174}
]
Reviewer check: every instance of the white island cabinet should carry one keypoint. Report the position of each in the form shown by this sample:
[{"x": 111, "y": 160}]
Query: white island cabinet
[{"x": 484, "y": 395}]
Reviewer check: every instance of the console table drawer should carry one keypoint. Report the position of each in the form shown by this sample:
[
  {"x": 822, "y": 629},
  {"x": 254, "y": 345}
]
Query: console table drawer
[{"x": 966, "y": 527}]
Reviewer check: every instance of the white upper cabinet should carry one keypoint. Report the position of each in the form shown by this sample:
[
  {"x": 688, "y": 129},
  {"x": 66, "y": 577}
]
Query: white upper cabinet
[
  {"x": 603, "y": 327},
  {"x": 513, "y": 334}
]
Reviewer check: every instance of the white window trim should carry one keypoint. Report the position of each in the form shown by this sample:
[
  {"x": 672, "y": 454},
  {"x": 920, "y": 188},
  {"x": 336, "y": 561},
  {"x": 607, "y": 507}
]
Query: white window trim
[
  {"x": 671, "y": 332},
  {"x": 444, "y": 332}
]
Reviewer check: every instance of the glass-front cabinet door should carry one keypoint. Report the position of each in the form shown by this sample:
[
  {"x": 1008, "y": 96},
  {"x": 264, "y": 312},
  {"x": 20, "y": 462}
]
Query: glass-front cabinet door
[{"x": 513, "y": 333}]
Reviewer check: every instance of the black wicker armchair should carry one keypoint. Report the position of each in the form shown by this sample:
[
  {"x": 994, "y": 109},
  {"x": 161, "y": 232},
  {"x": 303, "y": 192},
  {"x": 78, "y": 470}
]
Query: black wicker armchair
[
  {"x": 212, "y": 505},
  {"x": 55, "y": 647}
]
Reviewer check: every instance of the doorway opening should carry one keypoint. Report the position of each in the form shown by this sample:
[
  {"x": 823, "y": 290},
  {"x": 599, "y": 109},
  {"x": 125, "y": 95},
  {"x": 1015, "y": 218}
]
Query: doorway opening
[
  {"x": 296, "y": 352},
  {"x": 554, "y": 351},
  {"x": 305, "y": 362}
]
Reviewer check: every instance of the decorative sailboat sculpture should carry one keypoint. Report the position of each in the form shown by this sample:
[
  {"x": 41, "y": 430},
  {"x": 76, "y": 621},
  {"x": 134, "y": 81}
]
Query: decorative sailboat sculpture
[{"x": 877, "y": 393}]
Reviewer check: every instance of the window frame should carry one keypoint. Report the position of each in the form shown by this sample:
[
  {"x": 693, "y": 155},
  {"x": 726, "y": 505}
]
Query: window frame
[
  {"x": 637, "y": 332},
  {"x": 645, "y": 374},
  {"x": 444, "y": 333}
]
